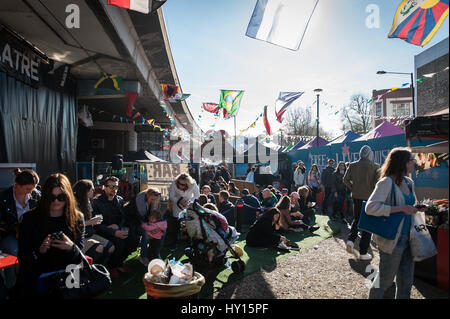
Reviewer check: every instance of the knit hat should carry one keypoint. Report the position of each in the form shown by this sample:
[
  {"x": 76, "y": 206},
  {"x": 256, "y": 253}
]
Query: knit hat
[{"x": 366, "y": 152}]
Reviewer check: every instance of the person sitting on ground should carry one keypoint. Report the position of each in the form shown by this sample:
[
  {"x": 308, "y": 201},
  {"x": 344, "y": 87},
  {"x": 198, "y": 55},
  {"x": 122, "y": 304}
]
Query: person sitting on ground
[
  {"x": 155, "y": 228},
  {"x": 262, "y": 232},
  {"x": 306, "y": 204},
  {"x": 206, "y": 190},
  {"x": 251, "y": 206},
  {"x": 96, "y": 247},
  {"x": 114, "y": 226},
  {"x": 202, "y": 200},
  {"x": 226, "y": 208},
  {"x": 233, "y": 190},
  {"x": 275, "y": 191},
  {"x": 50, "y": 237},
  {"x": 138, "y": 211},
  {"x": 223, "y": 187},
  {"x": 269, "y": 199},
  {"x": 291, "y": 221}
]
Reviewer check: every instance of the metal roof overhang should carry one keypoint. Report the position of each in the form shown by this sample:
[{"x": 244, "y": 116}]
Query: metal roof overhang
[{"x": 110, "y": 40}]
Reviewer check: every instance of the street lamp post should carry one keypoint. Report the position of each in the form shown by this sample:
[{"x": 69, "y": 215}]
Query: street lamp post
[
  {"x": 317, "y": 91},
  {"x": 412, "y": 87}
]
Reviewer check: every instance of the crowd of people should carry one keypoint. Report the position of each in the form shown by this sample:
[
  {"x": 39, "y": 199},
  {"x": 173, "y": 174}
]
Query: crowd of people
[{"x": 44, "y": 226}]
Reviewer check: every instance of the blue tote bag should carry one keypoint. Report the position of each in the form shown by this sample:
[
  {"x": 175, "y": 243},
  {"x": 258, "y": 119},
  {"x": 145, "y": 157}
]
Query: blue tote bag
[{"x": 384, "y": 226}]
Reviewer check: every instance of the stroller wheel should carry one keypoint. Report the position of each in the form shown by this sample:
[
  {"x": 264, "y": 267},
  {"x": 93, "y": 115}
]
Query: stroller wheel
[{"x": 238, "y": 266}]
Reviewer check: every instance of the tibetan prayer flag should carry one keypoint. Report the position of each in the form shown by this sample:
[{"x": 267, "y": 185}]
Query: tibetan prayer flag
[
  {"x": 417, "y": 21},
  {"x": 136, "y": 115},
  {"x": 266, "y": 122},
  {"x": 284, "y": 100},
  {"x": 211, "y": 107},
  {"x": 230, "y": 100},
  {"x": 281, "y": 22}
]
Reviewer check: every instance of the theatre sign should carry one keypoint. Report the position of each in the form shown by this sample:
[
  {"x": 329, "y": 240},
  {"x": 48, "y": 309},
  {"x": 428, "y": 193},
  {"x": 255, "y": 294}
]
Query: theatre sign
[{"x": 19, "y": 59}]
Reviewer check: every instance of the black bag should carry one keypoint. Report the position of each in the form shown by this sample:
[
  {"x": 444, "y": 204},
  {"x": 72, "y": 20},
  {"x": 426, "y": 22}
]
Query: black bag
[{"x": 94, "y": 280}]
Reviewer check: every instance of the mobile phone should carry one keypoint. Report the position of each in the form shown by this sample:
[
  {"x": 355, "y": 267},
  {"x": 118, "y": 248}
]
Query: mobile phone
[
  {"x": 420, "y": 206},
  {"x": 56, "y": 235}
]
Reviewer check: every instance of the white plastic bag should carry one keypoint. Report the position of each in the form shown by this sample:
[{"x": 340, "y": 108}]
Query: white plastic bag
[{"x": 420, "y": 241}]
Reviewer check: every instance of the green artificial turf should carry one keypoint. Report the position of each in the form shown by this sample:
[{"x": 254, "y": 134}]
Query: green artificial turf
[{"x": 130, "y": 285}]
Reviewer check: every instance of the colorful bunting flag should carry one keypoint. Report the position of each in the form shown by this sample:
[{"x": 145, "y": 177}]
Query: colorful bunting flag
[
  {"x": 131, "y": 98},
  {"x": 230, "y": 100},
  {"x": 136, "y": 115},
  {"x": 417, "y": 21},
  {"x": 266, "y": 122},
  {"x": 211, "y": 107}
]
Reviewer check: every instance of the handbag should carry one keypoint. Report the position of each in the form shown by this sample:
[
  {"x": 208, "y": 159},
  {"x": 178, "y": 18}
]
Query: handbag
[
  {"x": 384, "y": 226},
  {"x": 84, "y": 282},
  {"x": 420, "y": 241}
]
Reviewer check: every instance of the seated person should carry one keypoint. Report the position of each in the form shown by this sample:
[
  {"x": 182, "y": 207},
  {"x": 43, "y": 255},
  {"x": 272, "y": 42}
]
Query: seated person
[
  {"x": 211, "y": 206},
  {"x": 275, "y": 191},
  {"x": 305, "y": 204},
  {"x": 155, "y": 228},
  {"x": 114, "y": 226},
  {"x": 226, "y": 208},
  {"x": 202, "y": 200},
  {"x": 251, "y": 206},
  {"x": 262, "y": 232},
  {"x": 290, "y": 221},
  {"x": 215, "y": 187},
  {"x": 269, "y": 199},
  {"x": 206, "y": 190},
  {"x": 233, "y": 190}
]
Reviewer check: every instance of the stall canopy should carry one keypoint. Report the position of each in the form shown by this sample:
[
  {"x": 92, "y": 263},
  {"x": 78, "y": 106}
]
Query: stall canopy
[
  {"x": 313, "y": 143},
  {"x": 441, "y": 147},
  {"x": 297, "y": 146},
  {"x": 382, "y": 130},
  {"x": 346, "y": 137}
]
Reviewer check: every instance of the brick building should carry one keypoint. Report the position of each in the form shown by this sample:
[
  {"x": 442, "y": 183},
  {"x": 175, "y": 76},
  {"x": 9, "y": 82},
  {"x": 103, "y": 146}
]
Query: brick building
[
  {"x": 432, "y": 67},
  {"x": 395, "y": 104}
]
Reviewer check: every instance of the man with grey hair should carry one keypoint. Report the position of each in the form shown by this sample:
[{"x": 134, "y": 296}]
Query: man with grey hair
[{"x": 361, "y": 178}]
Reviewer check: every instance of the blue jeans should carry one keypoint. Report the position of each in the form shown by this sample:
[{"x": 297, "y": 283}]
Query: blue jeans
[
  {"x": 398, "y": 265},
  {"x": 9, "y": 245}
]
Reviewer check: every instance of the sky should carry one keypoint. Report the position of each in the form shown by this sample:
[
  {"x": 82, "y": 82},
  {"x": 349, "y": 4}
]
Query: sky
[{"x": 339, "y": 54}]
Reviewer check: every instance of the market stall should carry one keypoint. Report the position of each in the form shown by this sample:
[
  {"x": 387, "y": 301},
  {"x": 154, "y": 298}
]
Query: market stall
[{"x": 431, "y": 179}]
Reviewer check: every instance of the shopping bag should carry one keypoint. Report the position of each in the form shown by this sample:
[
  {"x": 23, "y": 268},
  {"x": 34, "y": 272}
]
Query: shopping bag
[{"x": 420, "y": 241}]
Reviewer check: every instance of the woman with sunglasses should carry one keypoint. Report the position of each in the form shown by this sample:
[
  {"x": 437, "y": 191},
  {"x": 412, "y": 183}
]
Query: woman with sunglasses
[
  {"x": 48, "y": 235},
  {"x": 182, "y": 191}
]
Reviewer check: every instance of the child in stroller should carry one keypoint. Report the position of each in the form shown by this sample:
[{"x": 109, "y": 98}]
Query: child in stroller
[{"x": 210, "y": 236}]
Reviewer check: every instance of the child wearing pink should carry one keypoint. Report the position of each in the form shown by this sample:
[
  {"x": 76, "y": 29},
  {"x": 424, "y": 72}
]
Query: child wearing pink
[{"x": 155, "y": 228}]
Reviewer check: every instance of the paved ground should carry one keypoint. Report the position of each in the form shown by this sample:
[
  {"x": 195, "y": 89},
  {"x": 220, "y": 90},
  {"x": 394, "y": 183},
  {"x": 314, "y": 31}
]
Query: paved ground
[{"x": 328, "y": 272}]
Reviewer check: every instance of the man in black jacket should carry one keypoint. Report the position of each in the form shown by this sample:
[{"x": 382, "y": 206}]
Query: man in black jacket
[
  {"x": 115, "y": 226},
  {"x": 14, "y": 202},
  {"x": 226, "y": 208},
  {"x": 327, "y": 181}
]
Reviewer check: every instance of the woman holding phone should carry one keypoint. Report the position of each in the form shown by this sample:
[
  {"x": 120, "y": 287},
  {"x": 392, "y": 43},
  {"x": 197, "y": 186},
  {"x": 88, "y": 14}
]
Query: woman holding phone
[
  {"x": 48, "y": 235},
  {"x": 395, "y": 255}
]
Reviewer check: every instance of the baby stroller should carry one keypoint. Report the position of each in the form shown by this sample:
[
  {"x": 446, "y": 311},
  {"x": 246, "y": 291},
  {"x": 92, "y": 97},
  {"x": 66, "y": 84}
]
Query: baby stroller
[{"x": 209, "y": 241}]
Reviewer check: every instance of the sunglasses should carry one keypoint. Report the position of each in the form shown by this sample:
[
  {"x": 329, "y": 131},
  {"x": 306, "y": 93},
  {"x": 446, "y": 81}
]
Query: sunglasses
[
  {"x": 60, "y": 197},
  {"x": 112, "y": 187}
]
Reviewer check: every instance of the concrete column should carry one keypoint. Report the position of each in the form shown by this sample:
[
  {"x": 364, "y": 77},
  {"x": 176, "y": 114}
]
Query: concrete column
[{"x": 132, "y": 140}]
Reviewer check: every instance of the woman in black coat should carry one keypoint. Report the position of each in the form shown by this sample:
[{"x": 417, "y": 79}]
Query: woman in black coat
[
  {"x": 262, "y": 232},
  {"x": 40, "y": 249},
  {"x": 338, "y": 191}
]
